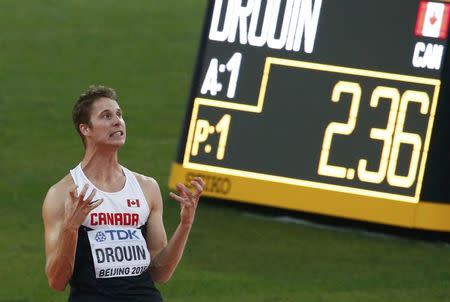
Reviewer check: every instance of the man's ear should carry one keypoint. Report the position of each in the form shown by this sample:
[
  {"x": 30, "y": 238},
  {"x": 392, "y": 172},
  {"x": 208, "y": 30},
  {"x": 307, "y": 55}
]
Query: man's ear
[{"x": 84, "y": 129}]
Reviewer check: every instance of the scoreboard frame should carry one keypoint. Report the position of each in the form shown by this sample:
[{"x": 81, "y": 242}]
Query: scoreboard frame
[{"x": 293, "y": 193}]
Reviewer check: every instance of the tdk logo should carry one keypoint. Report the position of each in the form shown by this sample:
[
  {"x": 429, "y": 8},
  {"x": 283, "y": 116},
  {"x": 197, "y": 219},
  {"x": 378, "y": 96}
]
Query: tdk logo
[
  {"x": 100, "y": 237},
  {"x": 116, "y": 235}
]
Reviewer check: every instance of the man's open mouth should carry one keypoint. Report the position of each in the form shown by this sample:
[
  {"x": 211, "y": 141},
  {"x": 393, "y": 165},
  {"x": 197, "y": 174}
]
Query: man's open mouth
[{"x": 116, "y": 133}]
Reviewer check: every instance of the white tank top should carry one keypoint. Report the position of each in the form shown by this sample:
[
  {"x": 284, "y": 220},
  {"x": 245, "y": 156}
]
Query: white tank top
[
  {"x": 115, "y": 228},
  {"x": 125, "y": 208}
]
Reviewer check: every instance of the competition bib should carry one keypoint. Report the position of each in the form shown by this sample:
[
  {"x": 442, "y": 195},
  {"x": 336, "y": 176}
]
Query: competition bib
[{"x": 118, "y": 252}]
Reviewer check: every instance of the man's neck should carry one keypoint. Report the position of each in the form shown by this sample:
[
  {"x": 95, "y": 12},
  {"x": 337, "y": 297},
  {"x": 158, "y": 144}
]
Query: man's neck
[{"x": 103, "y": 169}]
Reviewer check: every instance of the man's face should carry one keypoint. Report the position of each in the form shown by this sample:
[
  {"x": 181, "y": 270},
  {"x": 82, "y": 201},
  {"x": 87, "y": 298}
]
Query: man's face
[{"x": 107, "y": 124}]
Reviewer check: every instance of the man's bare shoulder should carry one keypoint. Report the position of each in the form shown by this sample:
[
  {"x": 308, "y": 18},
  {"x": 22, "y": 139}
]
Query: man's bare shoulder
[
  {"x": 63, "y": 186},
  {"x": 59, "y": 190},
  {"x": 146, "y": 182},
  {"x": 151, "y": 190}
]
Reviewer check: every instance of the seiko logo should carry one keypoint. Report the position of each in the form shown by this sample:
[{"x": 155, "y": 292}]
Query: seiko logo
[{"x": 213, "y": 184}]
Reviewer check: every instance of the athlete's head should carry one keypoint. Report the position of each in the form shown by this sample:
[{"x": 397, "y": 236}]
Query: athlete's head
[{"x": 97, "y": 115}]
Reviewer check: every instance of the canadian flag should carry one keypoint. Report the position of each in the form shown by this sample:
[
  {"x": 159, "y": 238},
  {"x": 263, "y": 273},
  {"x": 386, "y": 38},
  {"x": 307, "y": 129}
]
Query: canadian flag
[
  {"x": 133, "y": 203},
  {"x": 432, "y": 19}
]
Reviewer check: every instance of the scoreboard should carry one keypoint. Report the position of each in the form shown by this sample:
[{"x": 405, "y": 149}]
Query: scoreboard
[{"x": 335, "y": 107}]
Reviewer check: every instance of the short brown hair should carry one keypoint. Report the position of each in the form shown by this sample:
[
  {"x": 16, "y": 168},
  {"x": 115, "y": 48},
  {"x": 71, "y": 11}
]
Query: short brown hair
[{"x": 81, "y": 112}]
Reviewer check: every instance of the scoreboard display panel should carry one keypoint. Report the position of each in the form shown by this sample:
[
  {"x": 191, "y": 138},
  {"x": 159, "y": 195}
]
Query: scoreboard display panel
[{"x": 336, "y": 107}]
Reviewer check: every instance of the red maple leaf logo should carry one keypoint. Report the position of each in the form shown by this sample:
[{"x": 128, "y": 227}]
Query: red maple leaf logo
[{"x": 433, "y": 19}]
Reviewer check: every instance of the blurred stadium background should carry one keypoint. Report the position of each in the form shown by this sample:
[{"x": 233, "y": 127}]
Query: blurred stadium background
[{"x": 51, "y": 51}]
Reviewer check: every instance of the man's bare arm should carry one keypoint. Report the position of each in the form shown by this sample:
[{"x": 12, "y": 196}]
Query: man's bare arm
[
  {"x": 63, "y": 212},
  {"x": 167, "y": 255}
]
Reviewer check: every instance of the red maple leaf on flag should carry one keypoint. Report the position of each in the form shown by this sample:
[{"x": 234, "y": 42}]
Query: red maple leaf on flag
[{"x": 133, "y": 203}]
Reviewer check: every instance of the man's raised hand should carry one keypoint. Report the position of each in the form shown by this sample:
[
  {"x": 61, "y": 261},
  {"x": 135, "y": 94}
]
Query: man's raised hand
[
  {"x": 188, "y": 200},
  {"x": 77, "y": 207}
]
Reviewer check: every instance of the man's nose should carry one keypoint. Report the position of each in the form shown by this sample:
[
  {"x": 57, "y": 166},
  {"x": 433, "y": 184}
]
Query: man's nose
[{"x": 117, "y": 120}]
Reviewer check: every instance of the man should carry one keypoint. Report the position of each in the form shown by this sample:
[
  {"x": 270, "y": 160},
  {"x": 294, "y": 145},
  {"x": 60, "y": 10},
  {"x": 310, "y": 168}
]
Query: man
[{"x": 104, "y": 231}]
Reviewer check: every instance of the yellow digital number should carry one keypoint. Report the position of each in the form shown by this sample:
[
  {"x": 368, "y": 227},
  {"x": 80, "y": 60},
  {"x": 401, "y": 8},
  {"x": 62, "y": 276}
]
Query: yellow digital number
[
  {"x": 401, "y": 137},
  {"x": 392, "y": 136},
  {"x": 222, "y": 127},
  {"x": 340, "y": 128},
  {"x": 202, "y": 131},
  {"x": 384, "y": 135}
]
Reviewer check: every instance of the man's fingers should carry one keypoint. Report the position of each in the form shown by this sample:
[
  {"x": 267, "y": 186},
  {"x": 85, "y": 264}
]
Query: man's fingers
[
  {"x": 83, "y": 192},
  {"x": 73, "y": 192},
  {"x": 184, "y": 192},
  {"x": 200, "y": 180},
  {"x": 93, "y": 204},
  {"x": 182, "y": 201},
  {"x": 88, "y": 207},
  {"x": 91, "y": 196},
  {"x": 177, "y": 198},
  {"x": 198, "y": 187}
]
